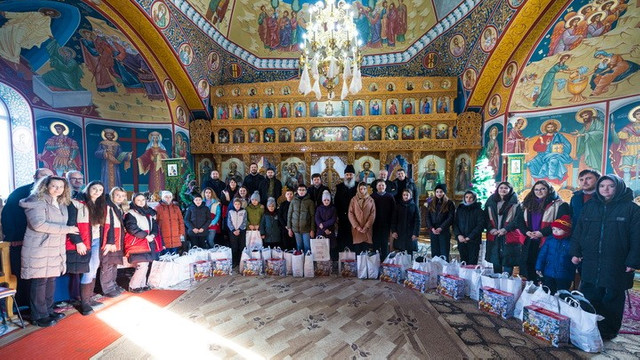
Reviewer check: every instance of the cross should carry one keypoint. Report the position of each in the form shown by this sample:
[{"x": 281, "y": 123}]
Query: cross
[{"x": 134, "y": 155}]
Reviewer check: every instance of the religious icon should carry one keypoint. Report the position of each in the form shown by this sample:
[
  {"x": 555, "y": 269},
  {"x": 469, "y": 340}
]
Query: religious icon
[
  {"x": 169, "y": 89},
  {"x": 181, "y": 115},
  {"x": 269, "y": 135},
  {"x": 426, "y": 105},
  {"x": 424, "y": 132},
  {"x": 284, "y": 135},
  {"x": 61, "y": 153},
  {"x": 238, "y": 136},
  {"x": 409, "y": 106},
  {"x": 469, "y": 78},
  {"x": 357, "y": 134},
  {"x": 427, "y": 85},
  {"x": 373, "y": 87},
  {"x": 203, "y": 88},
  {"x": 160, "y": 14},
  {"x": 223, "y": 112},
  {"x": 392, "y": 107},
  {"x": 494, "y": 105},
  {"x": 237, "y": 112},
  {"x": 185, "y": 53},
  {"x": 391, "y": 132},
  {"x": 112, "y": 156},
  {"x": 391, "y": 86},
  {"x": 445, "y": 84},
  {"x": 358, "y": 108},
  {"x": 252, "y": 91},
  {"x": 457, "y": 45},
  {"x": 375, "y": 133},
  {"x": 235, "y": 92},
  {"x": 219, "y": 92},
  {"x": 509, "y": 74},
  {"x": 300, "y": 135},
  {"x": 300, "y": 109},
  {"x": 488, "y": 38},
  {"x": 284, "y": 110},
  {"x": 375, "y": 107},
  {"x": 223, "y": 136},
  {"x": 172, "y": 170},
  {"x": 150, "y": 162},
  {"x": 442, "y": 131},
  {"x": 254, "y": 135},
  {"x": 462, "y": 180},
  {"x": 286, "y": 90},
  {"x": 213, "y": 61},
  {"x": 367, "y": 174},
  {"x": 408, "y": 132}
]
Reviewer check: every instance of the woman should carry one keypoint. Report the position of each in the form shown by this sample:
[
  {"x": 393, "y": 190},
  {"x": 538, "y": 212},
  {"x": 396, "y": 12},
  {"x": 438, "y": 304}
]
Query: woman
[
  {"x": 439, "y": 217},
  {"x": 197, "y": 219},
  {"x": 83, "y": 252},
  {"x": 170, "y": 222},
  {"x": 502, "y": 217},
  {"x": 467, "y": 228},
  {"x": 606, "y": 240},
  {"x": 43, "y": 252},
  {"x": 325, "y": 218},
  {"x": 141, "y": 243},
  {"x": 405, "y": 226},
  {"x": 112, "y": 242},
  {"x": 243, "y": 195},
  {"x": 228, "y": 194},
  {"x": 540, "y": 208},
  {"x": 362, "y": 213},
  {"x": 215, "y": 208}
]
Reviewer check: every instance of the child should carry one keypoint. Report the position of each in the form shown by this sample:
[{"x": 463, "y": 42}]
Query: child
[
  {"x": 326, "y": 216},
  {"x": 288, "y": 242},
  {"x": 554, "y": 264},
  {"x": 197, "y": 219},
  {"x": 270, "y": 226},
  {"x": 237, "y": 224},
  {"x": 255, "y": 211}
]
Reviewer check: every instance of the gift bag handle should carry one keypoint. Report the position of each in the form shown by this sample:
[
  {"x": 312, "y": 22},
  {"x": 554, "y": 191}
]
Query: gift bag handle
[{"x": 572, "y": 302}]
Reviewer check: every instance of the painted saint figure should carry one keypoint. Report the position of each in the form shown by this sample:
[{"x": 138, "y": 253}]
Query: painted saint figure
[
  {"x": 112, "y": 156},
  {"x": 553, "y": 150},
  {"x": 590, "y": 138},
  {"x": 548, "y": 82},
  {"x": 61, "y": 153},
  {"x": 515, "y": 138},
  {"x": 151, "y": 162}
]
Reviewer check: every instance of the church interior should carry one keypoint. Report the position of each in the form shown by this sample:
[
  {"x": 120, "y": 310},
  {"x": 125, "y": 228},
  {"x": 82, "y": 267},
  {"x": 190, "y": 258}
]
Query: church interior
[{"x": 152, "y": 94}]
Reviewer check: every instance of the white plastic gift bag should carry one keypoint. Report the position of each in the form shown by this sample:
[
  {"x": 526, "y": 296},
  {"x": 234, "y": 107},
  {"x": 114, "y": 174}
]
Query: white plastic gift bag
[
  {"x": 373, "y": 265},
  {"x": 308, "y": 265},
  {"x": 361, "y": 264}
]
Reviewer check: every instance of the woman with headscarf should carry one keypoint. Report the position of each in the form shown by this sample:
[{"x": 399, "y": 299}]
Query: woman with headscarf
[{"x": 362, "y": 213}]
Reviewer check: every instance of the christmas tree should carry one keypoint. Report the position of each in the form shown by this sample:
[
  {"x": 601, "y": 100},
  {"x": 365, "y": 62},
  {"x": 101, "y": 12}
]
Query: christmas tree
[{"x": 483, "y": 182}]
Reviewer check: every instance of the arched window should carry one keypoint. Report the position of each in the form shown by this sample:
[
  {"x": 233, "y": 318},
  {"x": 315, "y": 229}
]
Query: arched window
[{"x": 6, "y": 166}]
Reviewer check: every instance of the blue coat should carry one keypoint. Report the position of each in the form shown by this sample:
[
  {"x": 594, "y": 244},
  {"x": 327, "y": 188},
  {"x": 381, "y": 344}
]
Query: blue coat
[{"x": 554, "y": 259}]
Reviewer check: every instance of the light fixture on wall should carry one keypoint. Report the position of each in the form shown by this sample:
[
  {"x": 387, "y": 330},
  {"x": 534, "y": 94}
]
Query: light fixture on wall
[{"x": 330, "y": 48}]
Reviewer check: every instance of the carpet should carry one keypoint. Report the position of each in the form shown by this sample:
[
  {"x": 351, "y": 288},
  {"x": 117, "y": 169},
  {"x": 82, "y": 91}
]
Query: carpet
[
  {"x": 631, "y": 317},
  {"x": 311, "y": 318},
  {"x": 76, "y": 336}
]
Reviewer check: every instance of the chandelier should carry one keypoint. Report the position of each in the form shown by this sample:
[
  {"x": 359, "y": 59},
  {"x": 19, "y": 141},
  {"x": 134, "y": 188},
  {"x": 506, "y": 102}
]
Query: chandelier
[{"x": 330, "y": 48}]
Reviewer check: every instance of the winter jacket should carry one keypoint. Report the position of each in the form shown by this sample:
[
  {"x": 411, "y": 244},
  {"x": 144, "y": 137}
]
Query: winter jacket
[
  {"x": 576, "y": 203},
  {"x": 499, "y": 252},
  {"x": 78, "y": 216},
  {"x": 237, "y": 219},
  {"x": 232, "y": 195},
  {"x": 171, "y": 224},
  {"x": 554, "y": 259},
  {"x": 264, "y": 189},
  {"x": 316, "y": 194},
  {"x": 406, "y": 222},
  {"x": 301, "y": 216},
  {"x": 252, "y": 182},
  {"x": 216, "y": 185},
  {"x": 270, "y": 227},
  {"x": 469, "y": 221},
  {"x": 216, "y": 210},
  {"x": 399, "y": 187},
  {"x": 14, "y": 221},
  {"x": 362, "y": 213},
  {"x": 254, "y": 214},
  {"x": 327, "y": 216},
  {"x": 197, "y": 217},
  {"x": 140, "y": 222},
  {"x": 442, "y": 217},
  {"x": 554, "y": 208},
  {"x": 607, "y": 238},
  {"x": 113, "y": 234},
  {"x": 43, "y": 247}
]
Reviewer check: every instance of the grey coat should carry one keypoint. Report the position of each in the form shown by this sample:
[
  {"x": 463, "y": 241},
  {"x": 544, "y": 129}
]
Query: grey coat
[{"x": 43, "y": 249}]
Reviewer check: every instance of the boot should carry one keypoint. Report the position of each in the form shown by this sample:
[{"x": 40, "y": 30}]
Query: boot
[
  {"x": 93, "y": 303},
  {"x": 86, "y": 291}
]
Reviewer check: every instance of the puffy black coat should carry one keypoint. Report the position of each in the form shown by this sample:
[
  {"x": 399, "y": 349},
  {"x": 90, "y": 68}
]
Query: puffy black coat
[
  {"x": 406, "y": 222},
  {"x": 498, "y": 251},
  {"x": 469, "y": 221},
  {"x": 607, "y": 238},
  {"x": 252, "y": 182},
  {"x": 442, "y": 217},
  {"x": 263, "y": 189},
  {"x": 399, "y": 186},
  {"x": 270, "y": 227},
  {"x": 197, "y": 217}
]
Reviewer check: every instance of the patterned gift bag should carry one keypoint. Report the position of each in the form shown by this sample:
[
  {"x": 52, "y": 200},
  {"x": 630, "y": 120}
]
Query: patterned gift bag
[
  {"x": 451, "y": 286},
  {"x": 496, "y": 302},
  {"x": 348, "y": 267},
  {"x": 417, "y": 280},
  {"x": 391, "y": 273},
  {"x": 222, "y": 267},
  {"x": 252, "y": 267},
  {"x": 546, "y": 325},
  {"x": 202, "y": 269},
  {"x": 323, "y": 268},
  {"x": 276, "y": 267}
]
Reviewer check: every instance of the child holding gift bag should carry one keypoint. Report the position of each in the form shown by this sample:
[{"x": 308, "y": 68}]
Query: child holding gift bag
[
  {"x": 554, "y": 264},
  {"x": 237, "y": 224}
]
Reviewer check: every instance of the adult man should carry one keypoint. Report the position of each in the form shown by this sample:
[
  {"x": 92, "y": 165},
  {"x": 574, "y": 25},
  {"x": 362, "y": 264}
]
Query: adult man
[
  {"x": 606, "y": 241},
  {"x": 253, "y": 179},
  {"x": 76, "y": 182},
  {"x": 215, "y": 183},
  {"x": 316, "y": 189},
  {"x": 270, "y": 187},
  {"x": 14, "y": 225},
  {"x": 385, "y": 206},
  {"x": 587, "y": 179},
  {"x": 383, "y": 175},
  {"x": 403, "y": 182},
  {"x": 300, "y": 219},
  {"x": 344, "y": 192}
]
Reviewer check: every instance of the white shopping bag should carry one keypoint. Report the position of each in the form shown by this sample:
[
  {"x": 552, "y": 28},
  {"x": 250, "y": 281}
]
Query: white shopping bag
[
  {"x": 218, "y": 252},
  {"x": 246, "y": 255},
  {"x": 308, "y": 265},
  {"x": 157, "y": 273},
  {"x": 254, "y": 239},
  {"x": 297, "y": 264},
  {"x": 277, "y": 253},
  {"x": 373, "y": 265},
  {"x": 525, "y": 299},
  {"x": 451, "y": 268},
  {"x": 512, "y": 284},
  {"x": 199, "y": 253},
  {"x": 265, "y": 254},
  {"x": 543, "y": 298},
  {"x": 466, "y": 272},
  {"x": 584, "y": 332},
  {"x": 345, "y": 255},
  {"x": 361, "y": 264},
  {"x": 288, "y": 258},
  {"x": 320, "y": 249}
]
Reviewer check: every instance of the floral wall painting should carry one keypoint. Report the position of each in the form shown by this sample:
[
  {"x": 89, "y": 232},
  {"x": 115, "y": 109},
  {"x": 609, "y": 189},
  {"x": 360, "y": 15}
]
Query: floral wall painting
[
  {"x": 431, "y": 171},
  {"x": 375, "y": 133},
  {"x": 585, "y": 57}
]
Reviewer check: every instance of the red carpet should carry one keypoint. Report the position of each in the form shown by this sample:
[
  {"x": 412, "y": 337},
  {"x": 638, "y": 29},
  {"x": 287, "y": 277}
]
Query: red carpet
[
  {"x": 77, "y": 336},
  {"x": 631, "y": 317}
]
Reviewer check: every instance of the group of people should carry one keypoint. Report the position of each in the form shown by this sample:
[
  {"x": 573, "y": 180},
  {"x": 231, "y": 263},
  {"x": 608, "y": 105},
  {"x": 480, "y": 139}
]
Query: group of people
[{"x": 80, "y": 230}]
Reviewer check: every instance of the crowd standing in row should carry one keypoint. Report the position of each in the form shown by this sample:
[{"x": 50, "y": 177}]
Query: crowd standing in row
[{"x": 97, "y": 230}]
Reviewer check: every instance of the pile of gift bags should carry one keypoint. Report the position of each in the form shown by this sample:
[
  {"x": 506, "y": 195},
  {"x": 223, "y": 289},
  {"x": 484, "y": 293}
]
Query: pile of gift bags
[{"x": 195, "y": 265}]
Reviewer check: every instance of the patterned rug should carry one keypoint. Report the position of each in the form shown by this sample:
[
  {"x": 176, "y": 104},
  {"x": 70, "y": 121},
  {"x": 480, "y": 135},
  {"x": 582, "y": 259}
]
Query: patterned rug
[{"x": 631, "y": 317}]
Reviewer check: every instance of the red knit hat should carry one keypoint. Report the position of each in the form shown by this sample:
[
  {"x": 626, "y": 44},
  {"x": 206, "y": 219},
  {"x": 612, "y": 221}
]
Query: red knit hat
[{"x": 564, "y": 223}]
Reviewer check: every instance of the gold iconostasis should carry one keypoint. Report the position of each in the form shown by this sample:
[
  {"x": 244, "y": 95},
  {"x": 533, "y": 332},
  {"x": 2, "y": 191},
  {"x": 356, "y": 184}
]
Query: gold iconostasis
[{"x": 390, "y": 123}]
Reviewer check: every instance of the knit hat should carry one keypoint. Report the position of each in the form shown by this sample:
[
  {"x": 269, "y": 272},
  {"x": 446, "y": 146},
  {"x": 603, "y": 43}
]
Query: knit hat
[
  {"x": 564, "y": 223},
  {"x": 271, "y": 201},
  {"x": 349, "y": 169},
  {"x": 442, "y": 187},
  {"x": 255, "y": 195},
  {"x": 326, "y": 195}
]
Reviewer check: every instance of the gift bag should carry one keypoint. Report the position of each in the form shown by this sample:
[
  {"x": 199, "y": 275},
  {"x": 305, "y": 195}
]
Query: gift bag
[
  {"x": 348, "y": 267},
  {"x": 265, "y": 253},
  {"x": 155, "y": 280},
  {"x": 345, "y": 255},
  {"x": 252, "y": 267},
  {"x": 297, "y": 264},
  {"x": 323, "y": 268},
  {"x": 496, "y": 302},
  {"x": 320, "y": 249},
  {"x": 437, "y": 264},
  {"x": 451, "y": 286},
  {"x": 491, "y": 280},
  {"x": 544, "y": 299},
  {"x": 546, "y": 325},
  {"x": 182, "y": 267},
  {"x": 277, "y": 253},
  {"x": 201, "y": 270},
  {"x": 512, "y": 284},
  {"x": 404, "y": 259},
  {"x": 373, "y": 265},
  {"x": 475, "y": 284},
  {"x": 421, "y": 263},
  {"x": 288, "y": 259},
  {"x": 199, "y": 254},
  {"x": 308, "y": 265},
  {"x": 219, "y": 252},
  {"x": 584, "y": 332},
  {"x": 276, "y": 267},
  {"x": 417, "y": 280},
  {"x": 466, "y": 272},
  {"x": 361, "y": 264},
  {"x": 451, "y": 268},
  {"x": 222, "y": 267},
  {"x": 254, "y": 239},
  {"x": 525, "y": 299},
  {"x": 244, "y": 256},
  {"x": 391, "y": 273}
]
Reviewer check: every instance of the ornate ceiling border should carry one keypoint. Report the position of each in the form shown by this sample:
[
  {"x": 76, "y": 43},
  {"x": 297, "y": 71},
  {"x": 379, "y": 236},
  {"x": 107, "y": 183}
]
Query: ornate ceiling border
[{"x": 287, "y": 64}]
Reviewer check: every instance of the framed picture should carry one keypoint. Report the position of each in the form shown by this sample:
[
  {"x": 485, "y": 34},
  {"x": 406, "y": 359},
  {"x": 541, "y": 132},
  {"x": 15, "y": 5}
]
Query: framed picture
[
  {"x": 172, "y": 170},
  {"x": 515, "y": 166}
]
